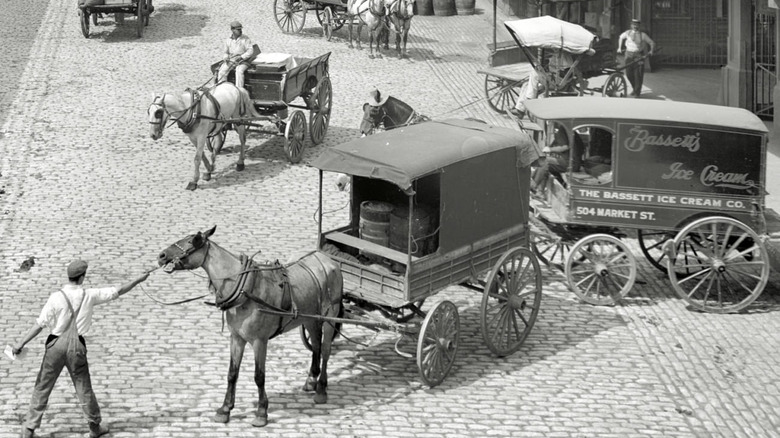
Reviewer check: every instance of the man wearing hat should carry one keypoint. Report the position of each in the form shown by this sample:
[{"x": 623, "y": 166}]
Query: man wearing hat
[
  {"x": 238, "y": 51},
  {"x": 68, "y": 315},
  {"x": 371, "y": 110},
  {"x": 635, "y": 44}
]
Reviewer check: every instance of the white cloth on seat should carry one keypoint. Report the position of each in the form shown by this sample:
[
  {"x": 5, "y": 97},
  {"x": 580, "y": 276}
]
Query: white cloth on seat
[{"x": 275, "y": 59}]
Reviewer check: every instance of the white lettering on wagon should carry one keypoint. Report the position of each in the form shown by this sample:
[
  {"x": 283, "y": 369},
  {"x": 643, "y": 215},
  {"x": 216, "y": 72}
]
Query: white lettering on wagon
[
  {"x": 712, "y": 176},
  {"x": 640, "y": 138}
]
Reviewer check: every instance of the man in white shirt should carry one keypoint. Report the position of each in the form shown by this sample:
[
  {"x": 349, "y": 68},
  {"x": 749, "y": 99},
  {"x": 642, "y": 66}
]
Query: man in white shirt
[
  {"x": 635, "y": 44},
  {"x": 56, "y": 315},
  {"x": 238, "y": 51},
  {"x": 556, "y": 67}
]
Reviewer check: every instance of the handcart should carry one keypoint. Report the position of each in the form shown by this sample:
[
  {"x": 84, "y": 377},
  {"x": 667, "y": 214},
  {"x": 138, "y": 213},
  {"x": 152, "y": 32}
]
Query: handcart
[{"x": 140, "y": 8}]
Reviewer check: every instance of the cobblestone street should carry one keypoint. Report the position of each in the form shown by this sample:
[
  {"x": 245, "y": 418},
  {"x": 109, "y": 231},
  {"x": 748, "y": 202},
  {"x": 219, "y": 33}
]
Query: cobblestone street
[{"x": 81, "y": 178}]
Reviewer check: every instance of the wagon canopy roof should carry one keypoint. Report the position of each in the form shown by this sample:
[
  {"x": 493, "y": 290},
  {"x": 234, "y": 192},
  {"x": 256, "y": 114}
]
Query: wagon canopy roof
[
  {"x": 404, "y": 154},
  {"x": 551, "y": 33},
  {"x": 645, "y": 110}
]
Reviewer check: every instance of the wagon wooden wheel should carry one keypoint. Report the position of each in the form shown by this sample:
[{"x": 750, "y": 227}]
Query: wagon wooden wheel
[
  {"x": 330, "y": 21},
  {"x": 140, "y": 12},
  {"x": 437, "y": 344},
  {"x": 84, "y": 19},
  {"x": 290, "y": 15},
  {"x": 550, "y": 250},
  {"x": 501, "y": 93},
  {"x": 600, "y": 269},
  {"x": 652, "y": 243},
  {"x": 319, "y": 117},
  {"x": 294, "y": 136},
  {"x": 615, "y": 86},
  {"x": 728, "y": 270},
  {"x": 511, "y": 301}
]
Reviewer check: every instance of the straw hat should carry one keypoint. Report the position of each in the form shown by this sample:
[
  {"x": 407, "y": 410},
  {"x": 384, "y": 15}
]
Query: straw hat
[{"x": 376, "y": 98}]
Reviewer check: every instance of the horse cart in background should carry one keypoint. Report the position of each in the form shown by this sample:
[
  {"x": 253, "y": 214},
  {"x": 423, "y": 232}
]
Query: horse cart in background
[
  {"x": 689, "y": 178},
  {"x": 140, "y": 8},
  {"x": 290, "y": 15},
  {"x": 535, "y": 40},
  {"x": 433, "y": 205},
  {"x": 275, "y": 81}
]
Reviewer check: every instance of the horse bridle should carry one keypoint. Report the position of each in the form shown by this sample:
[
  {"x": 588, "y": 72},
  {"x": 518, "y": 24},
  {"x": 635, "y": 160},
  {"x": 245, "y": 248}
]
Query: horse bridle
[
  {"x": 164, "y": 110},
  {"x": 185, "y": 253}
]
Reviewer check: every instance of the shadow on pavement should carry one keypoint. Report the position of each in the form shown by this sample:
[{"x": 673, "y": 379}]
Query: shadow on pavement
[{"x": 168, "y": 16}]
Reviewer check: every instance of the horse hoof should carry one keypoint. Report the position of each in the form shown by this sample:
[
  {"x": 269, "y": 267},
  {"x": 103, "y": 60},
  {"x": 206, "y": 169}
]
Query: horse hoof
[
  {"x": 320, "y": 399},
  {"x": 192, "y": 186},
  {"x": 221, "y": 418},
  {"x": 260, "y": 421},
  {"x": 370, "y": 56},
  {"x": 309, "y": 386},
  {"x": 239, "y": 167},
  {"x": 206, "y": 177}
]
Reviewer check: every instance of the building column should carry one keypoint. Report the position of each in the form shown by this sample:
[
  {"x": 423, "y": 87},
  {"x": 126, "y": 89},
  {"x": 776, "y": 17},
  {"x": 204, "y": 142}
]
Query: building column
[{"x": 737, "y": 77}]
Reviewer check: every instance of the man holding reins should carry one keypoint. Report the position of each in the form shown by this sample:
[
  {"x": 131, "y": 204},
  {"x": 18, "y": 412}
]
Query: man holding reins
[
  {"x": 238, "y": 52},
  {"x": 68, "y": 315}
]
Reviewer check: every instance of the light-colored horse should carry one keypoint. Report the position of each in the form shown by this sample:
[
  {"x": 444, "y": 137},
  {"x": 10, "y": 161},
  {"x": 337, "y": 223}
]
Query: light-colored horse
[
  {"x": 259, "y": 302},
  {"x": 200, "y": 114},
  {"x": 372, "y": 14},
  {"x": 401, "y": 13}
]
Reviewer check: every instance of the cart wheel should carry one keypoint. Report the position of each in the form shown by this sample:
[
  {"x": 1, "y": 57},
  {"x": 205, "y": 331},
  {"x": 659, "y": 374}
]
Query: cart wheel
[
  {"x": 84, "y": 15},
  {"x": 600, "y": 269},
  {"x": 615, "y": 86},
  {"x": 501, "y": 94},
  {"x": 337, "y": 21},
  {"x": 139, "y": 14},
  {"x": 511, "y": 301},
  {"x": 652, "y": 243},
  {"x": 438, "y": 343},
  {"x": 551, "y": 251},
  {"x": 730, "y": 265},
  {"x": 319, "y": 117},
  {"x": 327, "y": 22},
  {"x": 290, "y": 15},
  {"x": 305, "y": 338},
  {"x": 294, "y": 136}
]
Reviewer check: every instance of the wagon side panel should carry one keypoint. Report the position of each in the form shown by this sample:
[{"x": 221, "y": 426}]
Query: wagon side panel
[{"x": 304, "y": 76}]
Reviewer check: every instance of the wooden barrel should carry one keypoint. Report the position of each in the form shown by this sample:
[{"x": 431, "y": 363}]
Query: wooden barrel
[
  {"x": 422, "y": 228},
  {"x": 465, "y": 7},
  {"x": 443, "y": 7},
  {"x": 374, "y": 223},
  {"x": 424, "y": 7}
]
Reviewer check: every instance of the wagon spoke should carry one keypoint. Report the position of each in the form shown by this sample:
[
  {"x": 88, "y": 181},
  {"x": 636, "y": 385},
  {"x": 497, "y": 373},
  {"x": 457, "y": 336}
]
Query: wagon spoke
[{"x": 592, "y": 275}]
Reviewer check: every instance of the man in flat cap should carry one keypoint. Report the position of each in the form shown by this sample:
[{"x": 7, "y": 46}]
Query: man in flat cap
[
  {"x": 68, "y": 315},
  {"x": 636, "y": 44},
  {"x": 238, "y": 54}
]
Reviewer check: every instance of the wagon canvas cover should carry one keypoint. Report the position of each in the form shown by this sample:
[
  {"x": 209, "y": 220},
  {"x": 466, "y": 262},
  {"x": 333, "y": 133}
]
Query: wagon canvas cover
[
  {"x": 551, "y": 33},
  {"x": 403, "y": 155}
]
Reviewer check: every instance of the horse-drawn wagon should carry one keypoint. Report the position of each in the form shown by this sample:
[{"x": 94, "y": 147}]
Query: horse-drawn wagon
[
  {"x": 535, "y": 41},
  {"x": 433, "y": 205},
  {"x": 689, "y": 178},
  {"x": 274, "y": 82},
  {"x": 141, "y": 9}
]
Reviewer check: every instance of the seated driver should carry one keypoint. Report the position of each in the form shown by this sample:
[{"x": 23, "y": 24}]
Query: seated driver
[
  {"x": 555, "y": 163},
  {"x": 558, "y": 62},
  {"x": 238, "y": 53}
]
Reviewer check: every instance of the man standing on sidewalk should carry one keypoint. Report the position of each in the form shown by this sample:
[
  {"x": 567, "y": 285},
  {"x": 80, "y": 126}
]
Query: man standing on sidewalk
[
  {"x": 68, "y": 315},
  {"x": 635, "y": 44}
]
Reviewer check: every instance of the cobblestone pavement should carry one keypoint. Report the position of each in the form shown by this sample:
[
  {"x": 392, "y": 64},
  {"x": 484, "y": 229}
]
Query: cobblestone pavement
[{"x": 82, "y": 178}]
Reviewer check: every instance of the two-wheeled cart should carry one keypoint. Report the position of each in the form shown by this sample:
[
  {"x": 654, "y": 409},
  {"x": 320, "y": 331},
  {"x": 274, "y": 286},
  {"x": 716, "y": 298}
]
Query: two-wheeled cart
[
  {"x": 290, "y": 15},
  {"x": 689, "y": 178},
  {"x": 278, "y": 82},
  {"x": 141, "y": 9},
  {"x": 432, "y": 205},
  {"x": 535, "y": 39}
]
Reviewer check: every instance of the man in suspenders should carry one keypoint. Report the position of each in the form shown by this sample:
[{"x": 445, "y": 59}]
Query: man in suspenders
[{"x": 68, "y": 315}]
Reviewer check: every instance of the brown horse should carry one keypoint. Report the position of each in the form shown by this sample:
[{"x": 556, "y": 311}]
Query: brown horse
[
  {"x": 390, "y": 115},
  {"x": 263, "y": 301},
  {"x": 372, "y": 14},
  {"x": 401, "y": 13},
  {"x": 199, "y": 113}
]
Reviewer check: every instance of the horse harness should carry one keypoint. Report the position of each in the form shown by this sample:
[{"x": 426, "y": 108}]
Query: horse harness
[{"x": 194, "y": 110}]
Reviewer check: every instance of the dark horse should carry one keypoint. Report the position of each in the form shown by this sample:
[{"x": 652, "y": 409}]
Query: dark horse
[
  {"x": 260, "y": 302},
  {"x": 391, "y": 114}
]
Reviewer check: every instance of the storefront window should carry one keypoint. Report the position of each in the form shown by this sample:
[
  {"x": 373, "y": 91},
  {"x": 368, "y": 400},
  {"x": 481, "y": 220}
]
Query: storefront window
[{"x": 670, "y": 8}]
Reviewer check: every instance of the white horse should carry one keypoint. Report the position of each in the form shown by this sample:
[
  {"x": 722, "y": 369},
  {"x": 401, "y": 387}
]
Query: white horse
[
  {"x": 201, "y": 114},
  {"x": 401, "y": 13},
  {"x": 372, "y": 14}
]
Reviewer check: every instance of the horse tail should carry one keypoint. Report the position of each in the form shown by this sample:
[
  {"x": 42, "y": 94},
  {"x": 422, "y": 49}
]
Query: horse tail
[{"x": 246, "y": 106}]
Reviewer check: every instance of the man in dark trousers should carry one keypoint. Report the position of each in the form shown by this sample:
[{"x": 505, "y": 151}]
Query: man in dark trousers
[
  {"x": 636, "y": 44},
  {"x": 68, "y": 315}
]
